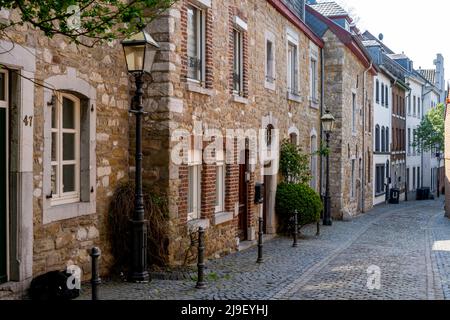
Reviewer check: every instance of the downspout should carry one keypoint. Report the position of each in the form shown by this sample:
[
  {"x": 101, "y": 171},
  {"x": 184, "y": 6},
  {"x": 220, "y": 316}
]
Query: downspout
[
  {"x": 406, "y": 148},
  {"x": 393, "y": 183},
  {"x": 363, "y": 180},
  {"x": 322, "y": 112}
]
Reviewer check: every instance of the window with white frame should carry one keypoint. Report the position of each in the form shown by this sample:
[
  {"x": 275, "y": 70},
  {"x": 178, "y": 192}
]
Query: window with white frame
[
  {"x": 386, "y": 97},
  {"x": 194, "y": 192},
  {"x": 292, "y": 67},
  {"x": 196, "y": 43},
  {"x": 313, "y": 79},
  {"x": 414, "y": 106},
  {"x": 220, "y": 187},
  {"x": 270, "y": 60},
  {"x": 238, "y": 66},
  {"x": 382, "y": 94},
  {"x": 65, "y": 151}
]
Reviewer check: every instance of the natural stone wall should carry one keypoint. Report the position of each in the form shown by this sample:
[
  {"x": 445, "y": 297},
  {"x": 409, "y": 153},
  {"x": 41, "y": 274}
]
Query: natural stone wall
[
  {"x": 344, "y": 76},
  {"x": 67, "y": 242},
  {"x": 171, "y": 105}
]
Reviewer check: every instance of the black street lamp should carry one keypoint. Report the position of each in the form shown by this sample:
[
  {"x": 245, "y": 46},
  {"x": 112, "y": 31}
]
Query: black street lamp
[
  {"x": 140, "y": 50},
  {"x": 328, "y": 126}
]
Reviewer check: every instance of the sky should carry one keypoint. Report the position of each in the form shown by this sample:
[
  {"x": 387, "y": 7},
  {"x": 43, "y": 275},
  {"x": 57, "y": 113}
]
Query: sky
[{"x": 418, "y": 28}]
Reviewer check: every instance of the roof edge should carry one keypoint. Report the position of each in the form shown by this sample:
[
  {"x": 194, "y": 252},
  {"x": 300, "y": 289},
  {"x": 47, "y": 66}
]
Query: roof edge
[{"x": 288, "y": 14}]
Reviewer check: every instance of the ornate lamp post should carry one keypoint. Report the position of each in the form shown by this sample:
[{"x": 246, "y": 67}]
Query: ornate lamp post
[
  {"x": 328, "y": 126},
  {"x": 140, "y": 50}
]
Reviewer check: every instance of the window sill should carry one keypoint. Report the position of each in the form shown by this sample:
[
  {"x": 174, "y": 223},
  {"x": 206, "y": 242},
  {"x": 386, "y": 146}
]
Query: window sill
[
  {"x": 293, "y": 97},
  {"x": 239, "y": 99},
  {"x": 222, "y": 217},
  {"x": 194, "y": 225},
  {"x": 68, "y": 211},
  {"x": 269, "y": 85},
  {"x": 380, "y": 194},
  {"x": 314, "y": 103},
  {"x": 197, "y": 88}
]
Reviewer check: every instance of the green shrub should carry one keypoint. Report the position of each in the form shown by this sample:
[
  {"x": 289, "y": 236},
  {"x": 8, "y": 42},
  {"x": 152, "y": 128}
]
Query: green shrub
[
  {"x": 291, "y": 197},
  {"x": 294, "y": 163}
]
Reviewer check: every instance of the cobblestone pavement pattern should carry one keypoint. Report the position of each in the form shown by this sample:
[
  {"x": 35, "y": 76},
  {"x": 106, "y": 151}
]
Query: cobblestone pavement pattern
[{"x": 407, "y": 245}]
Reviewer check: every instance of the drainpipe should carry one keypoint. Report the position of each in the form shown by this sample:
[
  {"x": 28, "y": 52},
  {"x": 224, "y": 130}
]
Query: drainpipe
[
  {"x": 406, "y": 147},
  {"x": 363, "y": 180},
  {"x": 322, "y": 112}
]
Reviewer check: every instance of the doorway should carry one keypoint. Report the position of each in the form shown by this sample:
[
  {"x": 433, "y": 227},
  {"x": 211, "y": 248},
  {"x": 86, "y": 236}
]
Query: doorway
[
  {"x": 243, "y": 196},
  {"x": 3, "y": 177}
]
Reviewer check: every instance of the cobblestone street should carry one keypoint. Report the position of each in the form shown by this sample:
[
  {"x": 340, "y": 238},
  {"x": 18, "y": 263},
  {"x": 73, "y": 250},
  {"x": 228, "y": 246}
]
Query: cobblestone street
[{"x": 409, "y": 243}]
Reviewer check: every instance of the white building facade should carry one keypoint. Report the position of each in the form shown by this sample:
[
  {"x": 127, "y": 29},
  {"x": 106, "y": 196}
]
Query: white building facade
[
  {"x": 413, "y": 119},
  {"x": 382, "y": 140}
]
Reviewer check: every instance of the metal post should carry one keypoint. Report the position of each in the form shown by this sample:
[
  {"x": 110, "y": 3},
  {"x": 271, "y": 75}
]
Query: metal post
[
  {"x": 327, "y": 213},
  {"x": 201, "y": 263},
  {"x": 318, "y": 229},
  {"x": 139, "y": 272},
  {"x": 295, "y": 245},
  {"x": 95, "y": 280},
  {"x": 260, "y": 241}
]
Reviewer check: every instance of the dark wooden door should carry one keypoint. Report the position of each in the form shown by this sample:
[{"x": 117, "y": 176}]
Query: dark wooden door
[
  {"x": 243, "y": 199},
  {"x": 3, "y": 194}
]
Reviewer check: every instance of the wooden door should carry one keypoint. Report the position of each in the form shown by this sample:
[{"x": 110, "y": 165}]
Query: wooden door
[{"x": 243, "y": 198}]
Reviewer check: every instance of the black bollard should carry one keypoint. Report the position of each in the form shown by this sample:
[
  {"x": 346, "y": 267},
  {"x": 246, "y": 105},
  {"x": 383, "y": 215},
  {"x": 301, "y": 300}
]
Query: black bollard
[
  {"x": 318, "y": 229},
  {"x": 95, "y": 281},
  {"x": 295, "y": 245},
  {"x": 201, "y": 262},
  {"x": 260, "y": 241}
]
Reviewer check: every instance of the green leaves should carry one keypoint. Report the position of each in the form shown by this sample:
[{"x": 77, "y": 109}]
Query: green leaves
[
  {"x": 294, "y": 164},
  {"x": 99, "y": 20},
  {"x": 430, "y": 134}
]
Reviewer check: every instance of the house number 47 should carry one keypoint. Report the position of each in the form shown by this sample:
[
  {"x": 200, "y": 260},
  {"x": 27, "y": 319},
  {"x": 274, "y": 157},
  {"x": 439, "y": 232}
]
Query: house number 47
[{"x": 28, "y": 121}]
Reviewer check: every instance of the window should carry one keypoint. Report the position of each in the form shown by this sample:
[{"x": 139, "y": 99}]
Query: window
[
  {"x": 414, "y": 106},
  {"x": 354, "y": 113},
  {"x": 220, "y": 187},
  {"x": 293, "y": 138},
  {"x": 379, "y": 179},
  {"x": 386, "y": 96},
  {"x": 382, "y": 94},
  {"x": 293, "y": 68},
  {"x": 313, "y": 79},
  {"x": 418, "y": 107},
  {"x": 409, "y": 105},
  {"x": 238, "y": 69},
  {"x": 313, "y": 150},
  {"x": 270, "y": 62},
  {"x": 196, "y": 43},
  {"x": 383, "y": 140},
  {"x": 409, "y": 141},
  {"x": 377, "y": 91},
  {"x": 418, "y": 178},
  {"x": 65, "y": 154},
  {"x": 388, "y": 147},
  {"x": 352, "y": 182},
  {"x": 377, "y": 138},
  {"x": 414, "y": 179},
  {"x": 194, "y": 192},
  {"x": 413, "y": 138}
]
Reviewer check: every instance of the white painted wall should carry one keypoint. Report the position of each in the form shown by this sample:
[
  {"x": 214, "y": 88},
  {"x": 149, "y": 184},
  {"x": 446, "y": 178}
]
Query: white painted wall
[
  {"x": 413, "y": 119},
  {"x": 383, "y": 118}
]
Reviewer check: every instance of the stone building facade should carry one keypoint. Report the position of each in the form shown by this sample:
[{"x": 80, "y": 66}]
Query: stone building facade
[
  {"x": 65, "y": 149},
  {"x": 232, "y": 75},
  {"x": 348, "y": 77}
]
